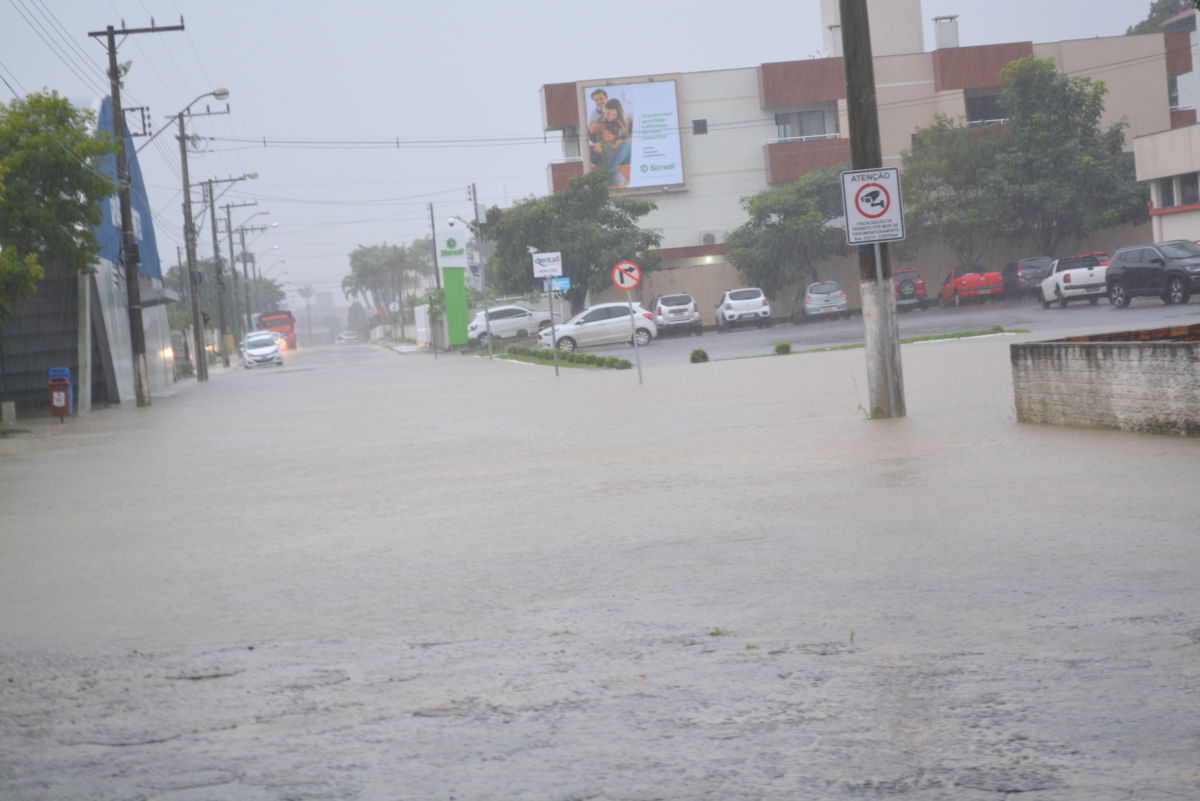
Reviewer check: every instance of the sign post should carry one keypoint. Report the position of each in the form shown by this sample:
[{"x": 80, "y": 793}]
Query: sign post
[
  {"x": 549, "y": 265},
  {"x": 627, "y": 275},
  {"x": 875, "y": 214}
]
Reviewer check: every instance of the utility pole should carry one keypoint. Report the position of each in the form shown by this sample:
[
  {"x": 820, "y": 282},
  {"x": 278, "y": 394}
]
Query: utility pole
[
  {"x": 247, "y": 260},
  {"x": 884, "y": 378},
  {"x": 437, "y": 274},
  {"x": 212, "y": 205},
  {"x": 482, "y": 271},
  {"x": 194, "y": 277},
  {"x": 130, "y": 258},
  {"x": 306, "y": 292},
  {"x": 233, "y": 263}
]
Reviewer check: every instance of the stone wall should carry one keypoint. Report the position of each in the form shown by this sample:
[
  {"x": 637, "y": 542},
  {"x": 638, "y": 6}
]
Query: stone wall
[{"x": 1132, "y": 380}]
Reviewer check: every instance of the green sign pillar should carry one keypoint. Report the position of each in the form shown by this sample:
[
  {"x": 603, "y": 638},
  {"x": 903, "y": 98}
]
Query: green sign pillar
[{"x": 454, "y": 282}]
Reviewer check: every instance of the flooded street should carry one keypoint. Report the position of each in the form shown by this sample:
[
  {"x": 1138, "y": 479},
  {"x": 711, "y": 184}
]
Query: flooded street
[{"x": 380, "y": 575}]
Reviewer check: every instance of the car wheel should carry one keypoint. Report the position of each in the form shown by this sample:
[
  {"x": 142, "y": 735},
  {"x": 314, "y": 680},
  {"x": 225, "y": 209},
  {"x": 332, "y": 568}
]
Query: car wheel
[
  {"x": 1117, "y": 295},
  {"x": 1093, "y": 300},
  {"x": 1058, "y": 295},
  {"x": 720, "y": 328},
  {"x": 1176, "y": 291},
  {"x": 698, "y": 329},
  {"x": 566, "y": 344},
  {"x": 1045, "y": 303},
  {"x": 641, "y": 338}
]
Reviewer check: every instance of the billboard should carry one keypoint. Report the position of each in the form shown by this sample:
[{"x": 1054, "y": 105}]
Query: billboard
[{"x": 632, "y": 132}]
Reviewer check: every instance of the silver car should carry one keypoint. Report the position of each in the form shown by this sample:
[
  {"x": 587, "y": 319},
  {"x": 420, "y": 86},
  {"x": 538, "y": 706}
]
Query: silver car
[
  {"x": 261, "y": 349},
  {"x": 507, "y": 321},
  {"x": 601, "y": 324},
  {"x": 821, "y": 299}
]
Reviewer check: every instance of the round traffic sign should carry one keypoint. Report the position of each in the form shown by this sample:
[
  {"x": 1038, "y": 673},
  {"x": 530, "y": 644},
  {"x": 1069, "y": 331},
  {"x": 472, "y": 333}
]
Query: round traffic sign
[
  {"x": 872, "y": 200},
  {"x": 626, "y": 275}
]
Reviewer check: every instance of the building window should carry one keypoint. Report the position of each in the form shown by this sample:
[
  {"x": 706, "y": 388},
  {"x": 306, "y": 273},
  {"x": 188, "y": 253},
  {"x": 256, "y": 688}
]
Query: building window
[
  {"x": 813, "y": 120},
  {"x": 1189, "y": 189},
  {"x": 1173, "y": 92},
  {"x": 699, "y": 126},
  {"x": 1166, "y": 193},
  {"x": 983, "y": 106}
]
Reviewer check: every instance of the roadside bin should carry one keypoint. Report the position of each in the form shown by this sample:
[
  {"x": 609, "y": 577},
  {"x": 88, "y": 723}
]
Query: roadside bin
[{"x": 62, "y": 400}]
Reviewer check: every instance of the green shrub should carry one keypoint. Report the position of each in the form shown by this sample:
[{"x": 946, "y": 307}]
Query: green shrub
[
  {"x": 521, "y": 332},
  {"x": 699, "y": 355},
  {"x": 623, "y": 364},
  {"x": 783, "y": 348}
]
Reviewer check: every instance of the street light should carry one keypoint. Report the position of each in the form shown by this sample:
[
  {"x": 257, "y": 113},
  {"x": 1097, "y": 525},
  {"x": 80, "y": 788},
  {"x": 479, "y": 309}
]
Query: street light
[{"x": 189, "y": 235}]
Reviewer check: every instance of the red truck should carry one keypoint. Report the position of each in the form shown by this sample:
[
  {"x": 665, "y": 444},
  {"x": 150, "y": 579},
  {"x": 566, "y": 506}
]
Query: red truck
[
  {"x": 971, "y": 283},
  {"x": 281, "y": 322}
]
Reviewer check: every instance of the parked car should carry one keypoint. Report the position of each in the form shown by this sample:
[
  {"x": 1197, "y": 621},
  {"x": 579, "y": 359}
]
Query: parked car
[
  {"x": 507, "y": 321},
  {"x": 678, "y": 311},
  {"x": 910, "y": 289},
  {"x": 601, "y": 324},
  {"x": 820, "y": 299},
  {"x": 1073, "y": 278},
  {"x": 969, "y": 282},
  {"x": 1025, "y": 276},
  {"x": 346, "y": 338},
  {"x": 747, "y": 305},
  {"x": 1167, "y": 270},
  {"x": 260, "y": 349}
]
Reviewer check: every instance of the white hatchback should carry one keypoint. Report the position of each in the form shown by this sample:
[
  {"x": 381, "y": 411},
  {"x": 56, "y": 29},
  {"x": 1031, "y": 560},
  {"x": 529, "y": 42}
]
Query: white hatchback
[
  {"x": 601, "y": 324},
  {"x": 739, "y": 306},
  {"x": 260, "y": 349},
  {"x": 507, "y": 321}
]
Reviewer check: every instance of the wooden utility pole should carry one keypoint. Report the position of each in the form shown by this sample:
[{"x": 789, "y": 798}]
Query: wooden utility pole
[
  {"x": 130, "y": 258},
  {"x": 884, "y": 378}
]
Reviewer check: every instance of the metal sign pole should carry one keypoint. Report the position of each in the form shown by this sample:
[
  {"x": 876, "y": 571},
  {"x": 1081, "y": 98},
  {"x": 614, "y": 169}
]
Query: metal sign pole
[
  {"x": 553, "y": 327},
  {"x": 637, "y": 353},
  {"x": 889, "y": 341}
]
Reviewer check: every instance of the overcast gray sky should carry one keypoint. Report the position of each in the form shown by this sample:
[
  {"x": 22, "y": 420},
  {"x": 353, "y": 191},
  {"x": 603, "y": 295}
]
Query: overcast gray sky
[{"x": 345, "y": 73}]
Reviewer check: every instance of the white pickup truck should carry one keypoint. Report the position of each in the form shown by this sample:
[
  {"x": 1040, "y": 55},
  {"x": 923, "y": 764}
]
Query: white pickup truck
[{"x": 1073, "y": 278}]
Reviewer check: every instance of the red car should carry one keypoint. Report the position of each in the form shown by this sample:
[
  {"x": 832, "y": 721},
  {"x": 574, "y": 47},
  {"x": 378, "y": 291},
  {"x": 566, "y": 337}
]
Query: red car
[
  {"x": 971, "y": 283},
  {"x": 910, "y": 288}
]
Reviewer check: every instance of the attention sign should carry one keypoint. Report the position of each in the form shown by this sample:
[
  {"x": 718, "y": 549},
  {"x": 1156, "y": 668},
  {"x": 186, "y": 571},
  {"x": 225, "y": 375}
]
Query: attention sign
[{"x": 874, "y": 212}]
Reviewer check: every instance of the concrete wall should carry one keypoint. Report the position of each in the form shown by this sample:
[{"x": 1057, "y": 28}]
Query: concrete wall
[{"x": 1145, "y": 381}]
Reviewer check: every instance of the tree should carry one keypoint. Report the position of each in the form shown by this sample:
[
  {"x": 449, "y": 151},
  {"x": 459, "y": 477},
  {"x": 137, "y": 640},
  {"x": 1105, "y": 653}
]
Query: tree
[
  {"x": 592, "y": 230},
  {"x": 790, "y": 228},
  {"x": 945, "y": 185},
  {"x": 1160, "y": 12},
  {"x": 1058, "y": 174},
  {"x": 380, "y": 274},
  {"x": 50, "y": 191}
]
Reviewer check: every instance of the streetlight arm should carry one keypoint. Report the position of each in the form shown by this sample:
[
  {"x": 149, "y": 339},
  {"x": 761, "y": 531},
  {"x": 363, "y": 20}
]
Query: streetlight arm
[{"x": 219, "y": 94}]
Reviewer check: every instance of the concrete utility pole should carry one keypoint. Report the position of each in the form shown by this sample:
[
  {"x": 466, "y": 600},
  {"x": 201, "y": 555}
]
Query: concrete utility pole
[
  {"x": 884, "y": 378},
  {"x": 237, "y": 316},
  {"x": 189, "y": 240},
  {"x": 130, "y": 258},
  {"x": 212, "y": 205}
]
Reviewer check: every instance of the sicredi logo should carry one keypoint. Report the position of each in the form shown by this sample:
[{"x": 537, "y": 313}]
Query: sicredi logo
[{"x": 658, "y": 167}]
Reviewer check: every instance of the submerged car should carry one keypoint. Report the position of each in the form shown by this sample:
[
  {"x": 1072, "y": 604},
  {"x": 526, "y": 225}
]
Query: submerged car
[
  {"x": 602, "y": 324},
  {"x": 261, "y": 349},
  {"x": 346, "y": 338},
  {"x": 738, "y": 306},
  {"x": 820, "y": 299}
]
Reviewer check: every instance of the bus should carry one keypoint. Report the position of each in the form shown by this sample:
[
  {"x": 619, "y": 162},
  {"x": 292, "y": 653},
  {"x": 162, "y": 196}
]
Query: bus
[{"x": 281, "y": 322}]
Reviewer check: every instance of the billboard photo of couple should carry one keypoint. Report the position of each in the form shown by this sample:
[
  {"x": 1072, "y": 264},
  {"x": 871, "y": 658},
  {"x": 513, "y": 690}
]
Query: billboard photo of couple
[{"x": 633, "y": 134}]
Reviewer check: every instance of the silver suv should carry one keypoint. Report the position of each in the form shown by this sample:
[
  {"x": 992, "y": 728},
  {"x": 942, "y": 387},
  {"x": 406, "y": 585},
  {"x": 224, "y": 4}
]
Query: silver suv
[
  {"x": 677, "y": 312},
  {"x": 737, "y": 306}
]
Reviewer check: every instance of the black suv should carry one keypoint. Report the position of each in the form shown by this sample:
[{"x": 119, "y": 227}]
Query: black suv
[
  {"x": 1024, "y": 276},
  {"x": 1167, "y": 270}
]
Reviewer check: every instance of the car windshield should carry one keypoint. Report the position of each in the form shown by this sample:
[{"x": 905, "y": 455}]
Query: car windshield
[
  {"x": 961, "y": 271},
  {"x": 824, "y": 288},
  {"x": 675, "y": 300},
  {"x": 260, "y": 341},
  {"x": 745, "y": 294},
  {"x": 1035, "y": 263},
  {"x": 1181, "y": 250}
]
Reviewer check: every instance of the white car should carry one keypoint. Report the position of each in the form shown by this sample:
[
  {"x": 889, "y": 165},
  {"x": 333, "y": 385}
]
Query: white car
[
  {"x": 507, "y": 321},
  {"x": 260, "y": 349},
  {"x": 346, "y": 338},
  {"x": 599, "y": 325},
  {"x": 1074, "y": 278},
  {"x": 737, "y": 306},
  {"x": 677, "y": 311}
]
